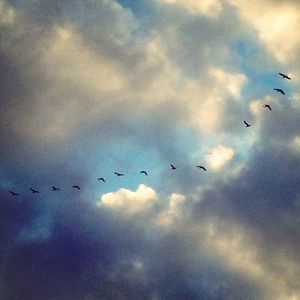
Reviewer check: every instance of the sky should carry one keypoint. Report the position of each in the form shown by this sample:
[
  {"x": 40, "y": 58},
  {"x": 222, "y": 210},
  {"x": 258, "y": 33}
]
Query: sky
[{"x": 89, "y": 88}]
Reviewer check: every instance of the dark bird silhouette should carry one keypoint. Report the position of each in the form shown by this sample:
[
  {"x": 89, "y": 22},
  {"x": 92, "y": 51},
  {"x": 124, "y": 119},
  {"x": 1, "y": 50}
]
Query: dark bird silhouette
[
  {"x": 284, "y": 76},
  {"x": 201, "y": 167},
  {"x": 119, "y": 174},
  {"x": 34, "y": 191},
  {"x": 55, "y": 188},
  {"x": 102, "y": 179},
  {"x": 279, "y": 91},
  {"x": 173, "y": 167},
  {"x": 13, "y": 193},
  {"x": 247, "y": 124},
  {"x": 144, "y": 172},
  {"x": 76, "y": 187},
  {"x": 268, "y": 106}
]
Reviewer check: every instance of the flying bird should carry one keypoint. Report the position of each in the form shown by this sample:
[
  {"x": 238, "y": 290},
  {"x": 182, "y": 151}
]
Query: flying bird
[
  {"x": 76, "y": 187},
  {"x": 201, "y": 167},
  {"x": 284, "y": 76},
  {"x": 13, "y": 193},
  {"x": 102, "y": 179},
  {"x": 247, "y": 124},
  {"x": 173, "y": 167},
  {"x": 119, "y": 174},
  {"x": 268, "y": 106},
  {"x": 279, "y": 91},
  {"x": 55, "y": 188},
  {"x": 144, "y": 172},
  {"x": 34, "y": 191}
]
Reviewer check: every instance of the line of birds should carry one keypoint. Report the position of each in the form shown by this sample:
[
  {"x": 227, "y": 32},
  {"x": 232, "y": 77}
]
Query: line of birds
[
  {"x": 283, "y": 76},
  {"x": 53, "y": 188}
]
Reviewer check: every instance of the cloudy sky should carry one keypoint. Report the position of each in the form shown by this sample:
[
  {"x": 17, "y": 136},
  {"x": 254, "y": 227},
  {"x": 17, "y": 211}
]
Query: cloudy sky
[{"x": 89, "y": 88}]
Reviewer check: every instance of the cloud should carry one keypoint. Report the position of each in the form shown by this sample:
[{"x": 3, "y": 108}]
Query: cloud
[
  {"x": 173, "y": 212},
  {"x": 240, "y": 250},
  {"x": 92, "y": 87},
  {"x": 210, "y": 8},
  {"x": 280, "y": 38},
  {"x": 7, "y": 14},
  {"x": 129, "y": 202},
  {"x": 219, "y": 157}
]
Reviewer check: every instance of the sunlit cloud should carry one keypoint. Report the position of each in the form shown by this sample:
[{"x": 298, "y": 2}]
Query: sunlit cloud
[
  {"x": 276, "y": 27},
  {"x": 211, "y": 8},
  {"x": 219, "y": 157},
  {"x": 173, "y": 211},
  {"x": 129, "y": 202}
]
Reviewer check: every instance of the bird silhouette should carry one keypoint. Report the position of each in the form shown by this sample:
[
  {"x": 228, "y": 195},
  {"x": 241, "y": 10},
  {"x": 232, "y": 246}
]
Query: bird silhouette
[
  {"x": 101, "y": 179},
  {"x": 284, "y": 76},
  {"x": 201, "y": 167},
  {"x": 55, "y": 188},
  {"x": 268, "y": 106},
  {"x": 144, "y": 172},
  {"x": 13, "y": 193},
  {"x": 34, "y": 191},
  {"x": 119, "y": 174},
  {"x": 279, "y": 91},
  {"x": 76, "y": 187},
  {"x": 173, "y": 167},
  {"x": 247, "y": 124}
]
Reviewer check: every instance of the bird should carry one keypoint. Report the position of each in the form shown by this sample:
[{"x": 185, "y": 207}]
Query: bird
[
  {"x": 247, "y": 125},
  {"x": 284, "y": 76},
  {"x": 102, "y": 179},
  {"x": 34, "y": 191},
  {"x": 268, "y": 106},
  {"x": 76, "y": 187},
  {"x": 144, "y": 172},
  {"x": 201, "y": 167},
  {"x": 280, "y": 91},
  {"x": 173, "y": 167},
  {"x": 55, "y": 188},
  {"x": 119, "y": 174},
  {"x": 13, "y": 193}
]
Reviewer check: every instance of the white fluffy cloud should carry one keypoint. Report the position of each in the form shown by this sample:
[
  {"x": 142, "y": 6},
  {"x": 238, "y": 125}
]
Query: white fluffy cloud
[
  {"x": 219, "y": 157},
  {"x": 129, "y": 202}
]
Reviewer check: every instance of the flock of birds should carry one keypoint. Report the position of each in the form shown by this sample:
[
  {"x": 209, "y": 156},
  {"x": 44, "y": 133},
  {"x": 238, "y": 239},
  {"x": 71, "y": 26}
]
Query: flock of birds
[
  {"x": 283, "y": 76},
  {"x": 53, "y": 188}
]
